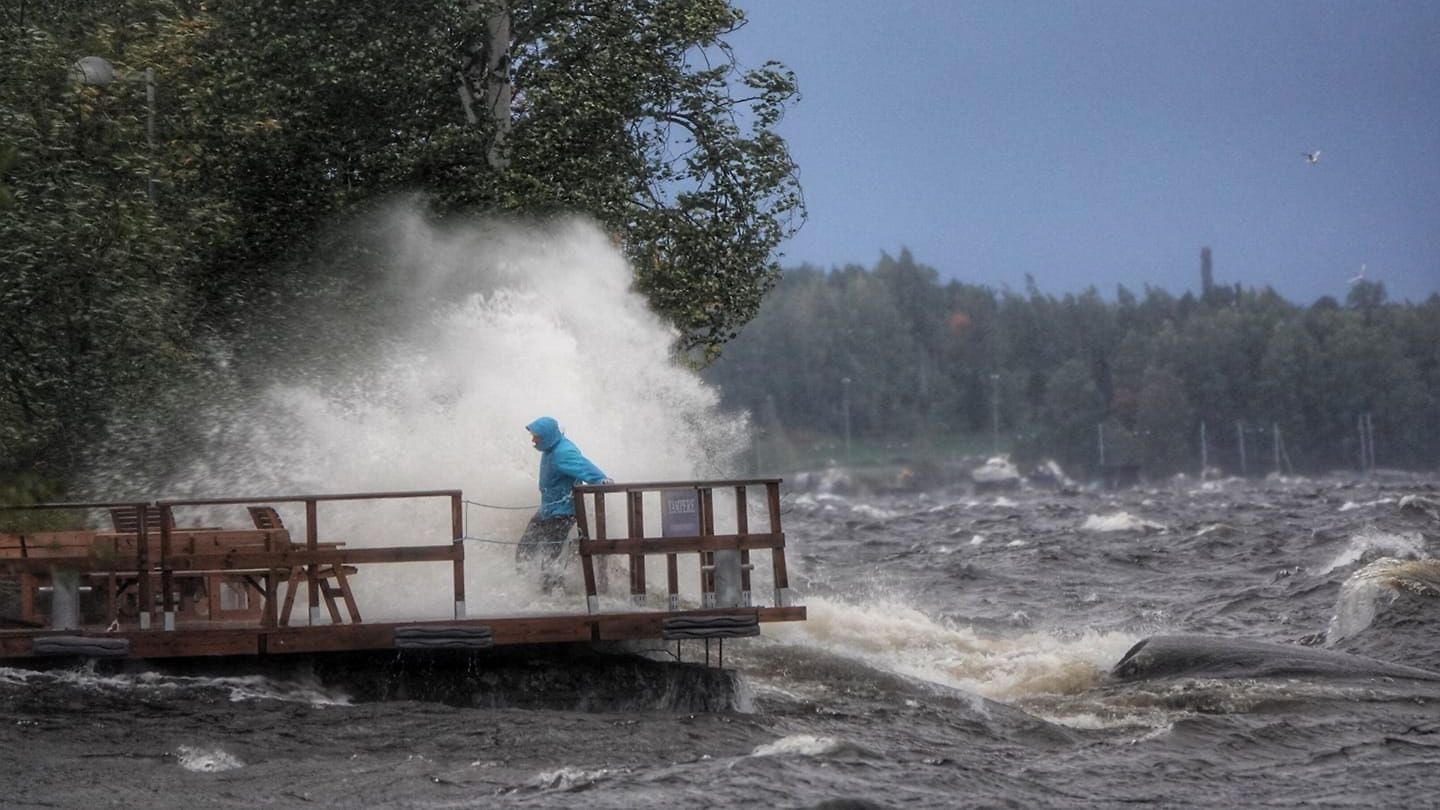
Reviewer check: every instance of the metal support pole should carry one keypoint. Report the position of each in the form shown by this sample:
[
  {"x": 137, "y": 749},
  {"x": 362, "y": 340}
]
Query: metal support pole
[
  {"x": 1240, "y": 437},
  {"x": 1204, "y": 452},
  {"x": 995, "y": 414},
  {"x": 150, "y": 133}
]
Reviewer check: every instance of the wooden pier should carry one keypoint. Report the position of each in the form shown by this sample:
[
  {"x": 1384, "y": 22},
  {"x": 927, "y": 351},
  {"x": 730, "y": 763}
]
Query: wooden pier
[{"x": 147, "y": 588}]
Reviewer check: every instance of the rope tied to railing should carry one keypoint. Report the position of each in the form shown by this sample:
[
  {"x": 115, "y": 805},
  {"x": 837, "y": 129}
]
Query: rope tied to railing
[
  {"x": 494, "y": 506},
  {"x": 493, "y": 541}
]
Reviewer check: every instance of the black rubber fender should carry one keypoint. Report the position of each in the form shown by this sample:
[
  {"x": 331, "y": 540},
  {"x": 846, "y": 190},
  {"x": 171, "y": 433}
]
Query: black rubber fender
[
  {"x": 722, "y": 626},
  {"x": 443, "y": 637},
  {"x": 82, "y": 646}
]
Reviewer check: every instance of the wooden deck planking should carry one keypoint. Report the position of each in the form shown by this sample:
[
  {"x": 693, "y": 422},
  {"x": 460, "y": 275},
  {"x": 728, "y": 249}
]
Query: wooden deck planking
[{"x": 208, "y": 640}]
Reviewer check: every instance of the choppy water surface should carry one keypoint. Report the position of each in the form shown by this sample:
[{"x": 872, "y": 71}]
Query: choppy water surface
[{"x": 958, "y": 653}]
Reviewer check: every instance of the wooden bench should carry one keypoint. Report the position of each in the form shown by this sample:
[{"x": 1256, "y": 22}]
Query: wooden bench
[
  {"x": 110, "y": 564},
  {"x": 127, "y": 519},
  {"x": 215, "y": 585},
  {"x": 113, "y": 566}
]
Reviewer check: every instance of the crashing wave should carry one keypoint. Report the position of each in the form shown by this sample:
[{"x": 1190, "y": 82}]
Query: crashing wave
[
  {"x": 1376, "y": 545},
  {"x": 1377, "y": 584},
  {"x": 1419, "y": 503}
]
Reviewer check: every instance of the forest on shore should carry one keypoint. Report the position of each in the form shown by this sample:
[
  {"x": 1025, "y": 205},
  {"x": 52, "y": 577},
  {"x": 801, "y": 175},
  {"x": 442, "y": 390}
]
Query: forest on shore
[{"x": 1162, "y": 380}]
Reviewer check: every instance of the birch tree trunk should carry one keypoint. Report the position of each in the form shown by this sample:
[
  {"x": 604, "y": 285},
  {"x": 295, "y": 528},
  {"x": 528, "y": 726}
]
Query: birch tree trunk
[{"x": 489, "y": 68}]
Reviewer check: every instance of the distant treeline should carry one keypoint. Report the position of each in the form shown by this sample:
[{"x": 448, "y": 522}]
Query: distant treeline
[{"x": 1238, "y": 376}]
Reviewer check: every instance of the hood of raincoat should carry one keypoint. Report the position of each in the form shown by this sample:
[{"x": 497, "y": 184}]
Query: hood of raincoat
[
  {"x": 548, "y": 430},
  {"x": 562, "y": 466}
]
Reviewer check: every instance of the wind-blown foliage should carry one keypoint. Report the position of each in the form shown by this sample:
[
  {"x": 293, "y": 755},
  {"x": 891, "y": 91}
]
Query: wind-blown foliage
[
  {"x": 931, "y": 358},
  {"x": 276, "y": 120},
  {"x": 630, "y": 111}
]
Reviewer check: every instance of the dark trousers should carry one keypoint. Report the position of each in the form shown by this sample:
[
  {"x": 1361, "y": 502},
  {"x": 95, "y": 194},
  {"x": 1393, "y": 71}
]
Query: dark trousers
[{"x": 546, "y": 541}]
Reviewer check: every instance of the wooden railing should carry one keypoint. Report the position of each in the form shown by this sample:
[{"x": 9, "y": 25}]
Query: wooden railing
[
  {"x": 724, "y": 559},
  {"x": 154, "y": 554},
  {"x": 266, "y": 554}
]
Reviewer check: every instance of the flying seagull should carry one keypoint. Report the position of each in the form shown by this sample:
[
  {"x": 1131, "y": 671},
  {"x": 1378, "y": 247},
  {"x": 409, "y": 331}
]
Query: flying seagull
[
  {"x": 1312, "y": 157},
  {"x": 1359, "y": 277}
]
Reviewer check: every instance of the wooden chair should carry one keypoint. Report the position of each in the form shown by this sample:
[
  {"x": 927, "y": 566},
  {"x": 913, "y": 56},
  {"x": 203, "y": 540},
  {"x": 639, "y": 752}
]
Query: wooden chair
[
  {"x": 127, "y": 519},
  {"x": 265, "y": 517},
  {"x": 333, "y": 579}
]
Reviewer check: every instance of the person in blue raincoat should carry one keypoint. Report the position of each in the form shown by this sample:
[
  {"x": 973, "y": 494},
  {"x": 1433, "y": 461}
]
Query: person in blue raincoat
[{"x": 562, "y": 465}]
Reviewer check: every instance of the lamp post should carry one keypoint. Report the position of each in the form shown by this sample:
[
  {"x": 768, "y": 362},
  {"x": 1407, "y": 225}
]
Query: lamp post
[{"x": 96, "y": 71}]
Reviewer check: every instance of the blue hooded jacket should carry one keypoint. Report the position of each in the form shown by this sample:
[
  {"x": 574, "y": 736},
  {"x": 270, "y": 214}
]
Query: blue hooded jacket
[{"x": 561, "y": 466}]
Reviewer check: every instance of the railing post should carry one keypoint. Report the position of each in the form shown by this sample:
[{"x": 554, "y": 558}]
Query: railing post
[
  {"x": 587, "y": 561},
  {"x": 145, "y": 593},
  {"x": 457, "y": 531},
  {"x": 167, "y": 573},
  {"x": 707, "y": 558},
  {"x": 672, "y": 579},
  {"x": 742, "y": 527},
  {"x": 312, "y": 545},
  {"x": 635, "y": 523},
  {"x": 777, "y": 555}
]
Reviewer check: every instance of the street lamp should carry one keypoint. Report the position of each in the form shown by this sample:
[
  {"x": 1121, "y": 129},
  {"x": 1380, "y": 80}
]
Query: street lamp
[{"x": 96, "y": 71}]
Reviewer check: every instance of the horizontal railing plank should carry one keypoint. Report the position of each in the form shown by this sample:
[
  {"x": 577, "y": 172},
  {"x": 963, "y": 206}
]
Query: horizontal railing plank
[
  {"x": 243, "y": 560},
  {"x": 673, "y": 545}
]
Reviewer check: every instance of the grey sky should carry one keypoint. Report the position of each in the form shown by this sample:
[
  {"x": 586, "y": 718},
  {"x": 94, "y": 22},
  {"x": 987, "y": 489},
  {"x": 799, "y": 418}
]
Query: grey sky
[{"x": 1107, "y": 142}]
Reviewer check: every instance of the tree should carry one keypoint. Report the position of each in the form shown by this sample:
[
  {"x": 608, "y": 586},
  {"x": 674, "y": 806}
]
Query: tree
[
  {"x": 278, "y": 120},
  {"x": 633, "y": 112},
  {"x": 92, "y": 312},
  {"x": 1073, "y": 408},
  {"x": 1163, "y": 423},
  {"x": 1288, "y": 391}
]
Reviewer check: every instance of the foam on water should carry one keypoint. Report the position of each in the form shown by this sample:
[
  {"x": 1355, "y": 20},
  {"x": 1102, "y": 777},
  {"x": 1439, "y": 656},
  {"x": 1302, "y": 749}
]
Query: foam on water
[
  {"x": 1118, "y": 522},
  {"x": 870, "y": 512},
  {"x": 15, "y": 677},
  {"x": 206, "y": 760},
  {"x": 569, "y": 778},
  {"x": 805, "y": 745},
  {"x": 236, "y": 688},
  {"x": 1350, "y": 506},
  {"x": 1372, "y": 542},
  {"x": 900, "y": 639}
]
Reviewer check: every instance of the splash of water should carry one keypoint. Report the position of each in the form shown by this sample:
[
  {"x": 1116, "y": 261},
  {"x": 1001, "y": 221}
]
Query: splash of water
[
  {"x": 1372, "y": 543},
  {"x": 1361, "y": 595},
  {"x": 900, "y": 639},
  {"x": 493, "y": 325}
]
